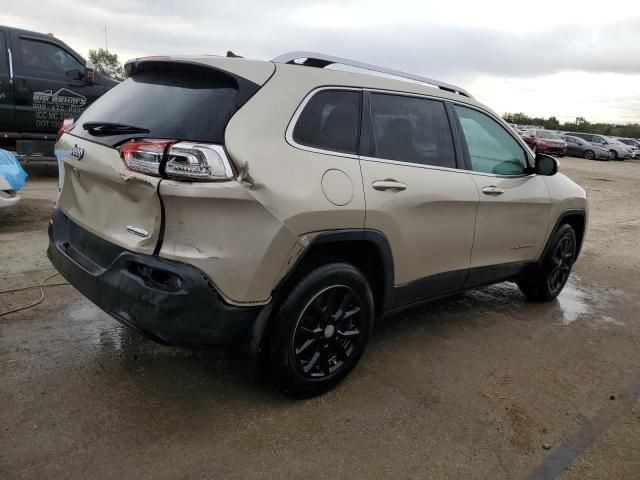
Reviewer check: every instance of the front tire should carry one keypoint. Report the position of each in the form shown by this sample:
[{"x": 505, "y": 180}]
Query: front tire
[
  {"x": 613, "y": 155},
  {"x": 321, "y": 329},
  {"x": 589, "y": 155},
  {"x": 548, "y": 279}
]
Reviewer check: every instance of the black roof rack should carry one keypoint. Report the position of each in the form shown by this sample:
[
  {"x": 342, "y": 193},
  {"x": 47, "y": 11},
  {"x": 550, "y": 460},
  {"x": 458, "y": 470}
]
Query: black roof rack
[{"x": 320, "y": 60}]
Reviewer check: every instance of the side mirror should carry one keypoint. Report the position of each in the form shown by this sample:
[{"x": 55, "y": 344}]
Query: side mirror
[
  {"x": 90, "y": 76},
  {"x": 545, "y": 165},
  {"x": 74, "y": 75}
]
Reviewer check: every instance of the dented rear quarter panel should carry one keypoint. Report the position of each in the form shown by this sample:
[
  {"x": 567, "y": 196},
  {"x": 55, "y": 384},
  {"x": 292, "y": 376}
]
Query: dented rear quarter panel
[{"x": 221, "y": 229}]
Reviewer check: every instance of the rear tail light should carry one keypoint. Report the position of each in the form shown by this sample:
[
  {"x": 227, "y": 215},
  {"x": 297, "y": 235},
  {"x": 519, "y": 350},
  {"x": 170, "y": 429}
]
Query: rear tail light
[
  {"x": 144, "y": 156},
  {"x": 64, "y": 126},
  {"x": 198, "y": 161},
  {"x": 184, "y": 160}
]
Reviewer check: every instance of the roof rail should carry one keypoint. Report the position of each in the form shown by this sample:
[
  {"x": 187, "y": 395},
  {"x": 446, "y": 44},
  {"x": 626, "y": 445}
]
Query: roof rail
[{"x": 320, "y": 60}]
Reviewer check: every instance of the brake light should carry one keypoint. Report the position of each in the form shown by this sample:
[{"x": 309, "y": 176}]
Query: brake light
[
  {"x": 144, "y": 156},
  {"x": 198, "y": 161},
  {"x": 64, "y": 126},
  {"x": 184, "y": 160}
]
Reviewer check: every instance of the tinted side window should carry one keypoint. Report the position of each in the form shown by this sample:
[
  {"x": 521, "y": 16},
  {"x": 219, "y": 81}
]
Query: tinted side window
[
  {"x": 491, "y": 148},
  {"x": 330, "y": 121},
  {"x": 43, "y": 58},
  {"x": 411, "y": 129}
]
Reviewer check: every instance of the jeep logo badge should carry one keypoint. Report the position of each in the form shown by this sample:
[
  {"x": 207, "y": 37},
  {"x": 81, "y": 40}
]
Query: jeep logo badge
[{"x": 77, "y": 152}]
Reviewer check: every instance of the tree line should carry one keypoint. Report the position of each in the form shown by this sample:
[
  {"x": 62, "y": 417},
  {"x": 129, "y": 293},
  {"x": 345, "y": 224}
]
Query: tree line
[{"x": 631, "y": 130}]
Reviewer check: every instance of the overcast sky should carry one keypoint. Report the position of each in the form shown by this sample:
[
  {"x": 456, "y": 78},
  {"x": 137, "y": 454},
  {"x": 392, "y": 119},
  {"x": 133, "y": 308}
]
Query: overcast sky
[{"x": 563, "y": 58}]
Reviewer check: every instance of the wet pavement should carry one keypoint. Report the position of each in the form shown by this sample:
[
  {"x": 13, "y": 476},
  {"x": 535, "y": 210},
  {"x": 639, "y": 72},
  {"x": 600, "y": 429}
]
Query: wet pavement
[{"x": 481, "y": 385}]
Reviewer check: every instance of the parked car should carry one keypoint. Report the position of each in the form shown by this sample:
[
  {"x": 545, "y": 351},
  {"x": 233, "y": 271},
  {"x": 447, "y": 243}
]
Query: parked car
[
  {"x": 42, "y": 82},
  {"x": 633, "y": 144},
  {"x": 284, "y": 207},
  {"x": 544, "y": 141},
  {"x": 617, "y": 150},
  {"x": 578, "y": 147}
]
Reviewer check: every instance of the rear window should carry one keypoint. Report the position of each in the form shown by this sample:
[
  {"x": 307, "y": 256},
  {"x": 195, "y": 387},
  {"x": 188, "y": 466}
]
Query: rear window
[
  {"x": 411, "y": 129},
  {"x": 173, "y": 101},
  {"x": 330, "y": 121}
]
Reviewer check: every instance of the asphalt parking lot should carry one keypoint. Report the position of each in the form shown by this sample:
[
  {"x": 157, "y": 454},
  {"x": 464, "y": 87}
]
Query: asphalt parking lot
[{"x": 482, "y": 385}]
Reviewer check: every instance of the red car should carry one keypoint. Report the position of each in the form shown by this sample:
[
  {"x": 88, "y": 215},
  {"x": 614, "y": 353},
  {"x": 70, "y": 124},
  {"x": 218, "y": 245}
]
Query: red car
[{"x": 544, "y": 141}]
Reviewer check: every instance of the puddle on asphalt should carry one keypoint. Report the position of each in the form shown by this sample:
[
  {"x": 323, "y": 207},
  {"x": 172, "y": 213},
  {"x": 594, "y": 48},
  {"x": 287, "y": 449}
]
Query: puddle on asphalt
[
  {"x": 595, "y": 304},
  {"x": 579, "y": 302},
  {"x": 94, "y": 330}
]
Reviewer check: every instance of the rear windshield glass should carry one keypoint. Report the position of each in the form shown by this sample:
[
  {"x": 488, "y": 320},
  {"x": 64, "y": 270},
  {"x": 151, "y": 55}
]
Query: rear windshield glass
[{"x": 173, "y": 101}]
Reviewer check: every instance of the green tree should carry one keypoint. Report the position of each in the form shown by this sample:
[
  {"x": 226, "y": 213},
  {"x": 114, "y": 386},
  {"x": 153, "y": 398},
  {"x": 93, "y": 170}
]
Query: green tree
[
  {"x": 552, "y": 123},
  {"x": 107, "y": 63}
]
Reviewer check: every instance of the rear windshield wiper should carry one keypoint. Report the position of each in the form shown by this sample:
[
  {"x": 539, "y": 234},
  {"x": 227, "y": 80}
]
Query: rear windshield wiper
[{"x": 110, "y": 128}]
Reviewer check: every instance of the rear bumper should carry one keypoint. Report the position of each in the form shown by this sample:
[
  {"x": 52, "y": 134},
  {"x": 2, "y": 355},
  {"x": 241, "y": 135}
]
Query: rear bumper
[{"x": 170, "y": 302}]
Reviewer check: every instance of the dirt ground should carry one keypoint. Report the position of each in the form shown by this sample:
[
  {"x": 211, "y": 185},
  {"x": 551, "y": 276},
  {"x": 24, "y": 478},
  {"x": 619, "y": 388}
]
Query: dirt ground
[{"x": 481, "y": 386}]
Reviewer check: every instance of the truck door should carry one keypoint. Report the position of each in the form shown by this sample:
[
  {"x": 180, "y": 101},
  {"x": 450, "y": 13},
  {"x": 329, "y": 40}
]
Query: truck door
[
  {"x": 48, "y": 87},
  {"x": 6, "y": 88}
]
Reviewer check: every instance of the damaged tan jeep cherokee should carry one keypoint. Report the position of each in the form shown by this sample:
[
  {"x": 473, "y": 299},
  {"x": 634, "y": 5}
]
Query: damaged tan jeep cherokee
[{"x": 284, "y": 206}]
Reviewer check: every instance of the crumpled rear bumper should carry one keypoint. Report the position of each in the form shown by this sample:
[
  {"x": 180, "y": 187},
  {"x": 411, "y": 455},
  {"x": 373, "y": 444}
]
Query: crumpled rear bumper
[{"x": 170, "y": 302}]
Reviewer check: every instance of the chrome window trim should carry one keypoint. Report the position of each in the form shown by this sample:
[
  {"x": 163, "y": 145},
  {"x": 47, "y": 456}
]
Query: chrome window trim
[
  {"x": 444, "y": 169},
  {"x": 307, "y": 98}
]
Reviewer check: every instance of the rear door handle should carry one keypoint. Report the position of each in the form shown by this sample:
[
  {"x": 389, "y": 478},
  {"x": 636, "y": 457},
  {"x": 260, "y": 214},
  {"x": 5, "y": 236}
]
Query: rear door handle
[
  {"x": 389, "y": 184},
  {"x": 492, "y": 190}
]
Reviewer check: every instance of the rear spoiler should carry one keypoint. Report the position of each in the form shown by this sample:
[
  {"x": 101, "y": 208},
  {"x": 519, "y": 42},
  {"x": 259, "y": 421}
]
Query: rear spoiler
[{"x": 254, "y": 71}]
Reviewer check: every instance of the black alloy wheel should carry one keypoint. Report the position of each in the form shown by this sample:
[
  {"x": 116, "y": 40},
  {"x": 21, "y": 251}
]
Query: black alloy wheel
[
  {"x": 328, "y": 332},
  {"x": 563, "y": 258},
  {"x": 544, "y": 282},
  {"x": 320, "y": 328}
]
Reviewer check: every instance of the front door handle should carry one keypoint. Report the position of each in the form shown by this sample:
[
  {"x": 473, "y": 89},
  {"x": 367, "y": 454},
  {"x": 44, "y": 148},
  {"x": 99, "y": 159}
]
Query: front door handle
[
  {"x": 389, "y": 184},
  {"x": 492, "y": 190}
]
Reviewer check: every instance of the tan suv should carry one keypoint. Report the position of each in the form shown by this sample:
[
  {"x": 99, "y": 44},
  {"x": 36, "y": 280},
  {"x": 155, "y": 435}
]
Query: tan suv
[{"x": 284, "y": 206}]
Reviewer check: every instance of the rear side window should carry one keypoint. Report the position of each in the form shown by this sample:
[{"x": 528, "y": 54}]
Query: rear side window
[
  {"x": 172, "y": 101},
  {"x": 491, "y": 148},
  {"x": 330, "y": 121},
  {"x": 411, "y": 129}
]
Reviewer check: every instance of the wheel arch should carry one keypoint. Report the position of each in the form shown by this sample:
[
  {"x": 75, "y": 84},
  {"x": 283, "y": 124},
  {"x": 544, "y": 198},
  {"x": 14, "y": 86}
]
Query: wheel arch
[
  {"x": 366, "y": 249},
  {"x": 577, "y": 218}
]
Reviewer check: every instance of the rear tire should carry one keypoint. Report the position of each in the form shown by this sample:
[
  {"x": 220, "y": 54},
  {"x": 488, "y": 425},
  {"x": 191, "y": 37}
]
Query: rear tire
[
  {"x": 548, "y": 279},
  {"x": 589, "y": 155},
  {"x": 321, "y": 329}
]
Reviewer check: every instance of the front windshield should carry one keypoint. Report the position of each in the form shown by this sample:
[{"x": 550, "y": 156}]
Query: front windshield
[{"x": 546, "y": 134}]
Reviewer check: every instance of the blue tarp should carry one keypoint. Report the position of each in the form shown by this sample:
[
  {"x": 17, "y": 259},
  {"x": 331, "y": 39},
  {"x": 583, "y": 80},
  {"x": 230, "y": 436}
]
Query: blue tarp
[{"x": 11, "y": 170}]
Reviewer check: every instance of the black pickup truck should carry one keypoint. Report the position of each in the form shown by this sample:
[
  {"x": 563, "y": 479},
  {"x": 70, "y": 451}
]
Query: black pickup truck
[{"x": 42, "y": 82}]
